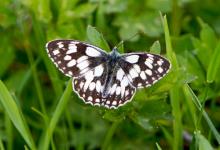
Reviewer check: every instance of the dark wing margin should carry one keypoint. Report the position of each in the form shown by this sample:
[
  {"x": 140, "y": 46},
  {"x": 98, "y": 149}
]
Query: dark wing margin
[
  {"x": 74, "y": 58},
  {"x": 144, "y": 69}
]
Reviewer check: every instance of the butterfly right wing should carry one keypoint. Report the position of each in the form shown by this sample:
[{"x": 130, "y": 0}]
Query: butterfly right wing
[
  {"x": 144, "y": 69},
  {"x": 74, "y": 58}
]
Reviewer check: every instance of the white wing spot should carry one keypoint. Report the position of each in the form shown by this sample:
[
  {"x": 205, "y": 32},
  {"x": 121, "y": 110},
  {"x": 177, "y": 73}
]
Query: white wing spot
[
  {"x": 133, "y": 73},
  {"x": 98, "y": 70},
  {"x": 82, "y": 58},
  {"x": 126, "y": 92},
  {"x": 148, "y": 64},
  {"x": 83, "y": 65},
  {"x": 143, "y": 76},
  {"x": 98, "y": 86},
  {"x": 139, "y": 84},
  {"x": 90, "y": 98},
  {"x": 132, "y": 58},
  {"x": 59, "y": 62},
  {"x": 118, "y": 90},
  {"x": 67, "y": 57},
  {"x": 150, "y": 55},
  {"x": 122, "y": 91},
  {"x": 160, "y": 70},
  {"x": 81, "y": 85},
  {"x": 56, "y": 51},
  {"x": 60, "y": 45},
  {"x": 160, "y": 62},
  {"x": 108, "y": 102},
  {"x": 89, "y": 77},
  {"x": 92, "y": 86},
  {"x": 149, "y": 60},
  {"x": 113, "y": 88},
  {"x": 124, "y": 82},
  {"x": 114, "y": 103},
  {"x": 149, "y": 72},
  {"x": 97, "y": 100},
  {"x": 137, "y": 68},
  {"x": 120, "y": 74},
  {"x": 71, "y": 63},
  {"x": 71, "y": 49},
  {"x": 70, "y": 73},
  {"x": 92, "y": 52}
]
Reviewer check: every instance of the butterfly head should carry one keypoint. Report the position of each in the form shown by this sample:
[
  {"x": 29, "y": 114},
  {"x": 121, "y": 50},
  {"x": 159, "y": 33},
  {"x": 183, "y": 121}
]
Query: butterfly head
[{"x": 114, "y": 53}]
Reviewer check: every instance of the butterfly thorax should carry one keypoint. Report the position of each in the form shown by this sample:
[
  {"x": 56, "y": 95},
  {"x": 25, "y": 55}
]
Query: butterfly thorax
[{"x": 112, "y": 67}]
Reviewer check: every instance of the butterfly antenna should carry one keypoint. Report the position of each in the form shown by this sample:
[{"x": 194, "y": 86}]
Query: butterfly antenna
[{"x": 120, "y": 43}]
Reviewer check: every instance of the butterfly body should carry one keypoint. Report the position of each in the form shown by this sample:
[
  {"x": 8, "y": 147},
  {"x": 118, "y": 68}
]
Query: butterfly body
[{"x": 106, "y": 79}]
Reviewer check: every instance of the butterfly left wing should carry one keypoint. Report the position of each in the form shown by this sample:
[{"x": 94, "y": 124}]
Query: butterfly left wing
[
  {"x": 144, "y": 69},
  {"x": 74, "y": 58},
  {"x": 89, "y": 87}
]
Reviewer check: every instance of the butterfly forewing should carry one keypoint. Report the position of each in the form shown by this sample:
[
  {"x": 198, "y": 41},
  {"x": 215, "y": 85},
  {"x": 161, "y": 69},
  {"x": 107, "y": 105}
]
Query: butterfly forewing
[
  {"x": 144, "y": 69},
  {"x": 74, "y": 58}
]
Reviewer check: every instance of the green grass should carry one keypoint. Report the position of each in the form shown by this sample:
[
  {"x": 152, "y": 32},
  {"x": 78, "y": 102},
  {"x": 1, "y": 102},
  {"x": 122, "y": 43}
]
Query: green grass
[{"x": 39, "y": 110}]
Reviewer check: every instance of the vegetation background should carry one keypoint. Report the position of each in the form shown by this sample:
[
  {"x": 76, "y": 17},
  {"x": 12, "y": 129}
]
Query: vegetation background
[{"x": 38, "y": 109}]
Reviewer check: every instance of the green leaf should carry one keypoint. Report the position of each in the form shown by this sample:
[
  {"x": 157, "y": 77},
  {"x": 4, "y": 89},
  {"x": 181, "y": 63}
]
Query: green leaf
[
  {"x": 208, "y": 37},
  {"x": 201, "y": 142},
  {"x": 214, "y": 64},
  {"x": 155, "y": 48},
  {"x": 97, "y": 38},
  {"x": 15, "y": 114}
]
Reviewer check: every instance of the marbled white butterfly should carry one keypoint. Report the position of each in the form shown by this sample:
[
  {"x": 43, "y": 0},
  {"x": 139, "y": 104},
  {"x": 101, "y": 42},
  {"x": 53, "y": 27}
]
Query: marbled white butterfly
[{"x": 106, "y": 79}]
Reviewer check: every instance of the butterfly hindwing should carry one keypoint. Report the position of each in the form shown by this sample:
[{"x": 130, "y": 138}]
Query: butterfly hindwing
[
  {"x": 89, "y": 87},
  {"x": 120, "y": 91},
  {"x": 74, "y": 58},
  {"x": 144, "y": 69}
]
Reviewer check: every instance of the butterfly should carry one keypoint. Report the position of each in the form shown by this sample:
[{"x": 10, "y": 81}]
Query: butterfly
[{"x": 106, "y": 79}]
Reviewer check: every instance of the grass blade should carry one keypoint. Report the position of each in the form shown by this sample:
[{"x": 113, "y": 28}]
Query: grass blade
[
  {"x": 174, "y": 92},
  {"x": 205, "y": 115},
  {"x": 214, "y": 64},
  {"x": 56, "y": 115},
  {"x": 15, "y": 114},
  {"x": 109, "y": 135}
]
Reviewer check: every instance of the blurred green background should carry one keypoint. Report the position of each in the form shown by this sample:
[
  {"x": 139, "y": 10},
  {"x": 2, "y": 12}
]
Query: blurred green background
[{"x": 38, "y": 109}]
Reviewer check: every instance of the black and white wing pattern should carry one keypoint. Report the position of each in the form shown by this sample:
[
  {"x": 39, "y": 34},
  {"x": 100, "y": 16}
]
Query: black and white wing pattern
[
  {"x": 144, "y": 69},
  {"x": 89, "y": 87},
  {"x": 120, "y": 90},
  {"x": 74, "y": 58},
  {"x": 102, "y": 79},
  {"x": 92, "y": 88}
]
